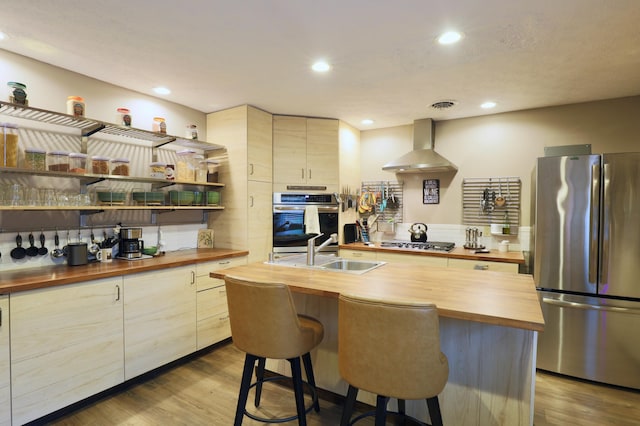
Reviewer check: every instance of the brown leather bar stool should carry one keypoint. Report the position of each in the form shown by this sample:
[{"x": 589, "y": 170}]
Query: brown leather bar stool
[
  {"x": 390, "y": 348},
  {"x": 265, "y": 324}
]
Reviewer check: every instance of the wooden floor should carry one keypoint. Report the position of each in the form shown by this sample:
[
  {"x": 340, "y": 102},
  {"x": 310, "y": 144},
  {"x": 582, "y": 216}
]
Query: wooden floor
[{"x": 203, "y": 391}]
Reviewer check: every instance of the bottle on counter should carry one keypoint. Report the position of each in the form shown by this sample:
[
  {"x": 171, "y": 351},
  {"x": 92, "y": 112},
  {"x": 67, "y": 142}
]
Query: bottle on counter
[
  {"x": 18, "y": 93},
  {"x": 75, "y": 106}
]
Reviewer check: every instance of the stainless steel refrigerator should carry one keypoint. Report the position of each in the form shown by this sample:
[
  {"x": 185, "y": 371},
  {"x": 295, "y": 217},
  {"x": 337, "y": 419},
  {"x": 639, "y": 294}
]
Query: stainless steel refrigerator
[{"x": 587, "y": 266}]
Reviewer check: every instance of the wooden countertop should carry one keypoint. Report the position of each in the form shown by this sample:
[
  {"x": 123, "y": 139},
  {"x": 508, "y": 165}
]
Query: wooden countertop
[
  {"x": 497, "y": 298},
  {"x": 456, "y": 253},
  {"x": 48, "y": 276}
]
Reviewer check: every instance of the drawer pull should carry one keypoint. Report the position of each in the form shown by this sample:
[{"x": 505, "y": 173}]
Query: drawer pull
[
  {"x": 224, "y": 262},
  {"x": 481, "y": 267},
  {"x": 223, "y": 318}
]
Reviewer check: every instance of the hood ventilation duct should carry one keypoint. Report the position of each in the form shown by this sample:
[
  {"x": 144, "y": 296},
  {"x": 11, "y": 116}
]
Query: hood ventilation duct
[{"x": 423, "y": 159}]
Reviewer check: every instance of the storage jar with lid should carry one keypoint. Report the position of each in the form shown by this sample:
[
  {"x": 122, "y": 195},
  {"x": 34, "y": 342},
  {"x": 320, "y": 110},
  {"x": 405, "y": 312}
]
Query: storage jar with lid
[
  {"x": 9, "y": 145},
  {"x": 58, "y": 161},
  {"x": 75, "y": 106},
  {"x": 212, "y": 170},
  {"x": 77, "y": 162},
  {"x": 17, "y": 93},
  {"x": 186, "y": 166},
  {"x": 35, "y": 159},
  {"x": 191, "y": 131},
  {"x": 124, "y": 117},
  {"x": 159, "y": 125},
  {"x": 201, "y": 168},
  {"x": 99, "y": 165},
  {"x": 120, "y": 167},
  {"x": 157, "y": 170}
]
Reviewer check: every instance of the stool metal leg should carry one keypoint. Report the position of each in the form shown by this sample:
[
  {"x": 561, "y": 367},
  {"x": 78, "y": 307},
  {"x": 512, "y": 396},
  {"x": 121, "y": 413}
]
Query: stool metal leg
[
  {"x": 259, "y": 379},
  {"x": 349, "y": 402},
  {"x": 434, "y": 411},
  {"x": 247, "y": 373},
  {"x": 306, "y": 358},
  {"x": 381, "y": 410},
  {"x": 402, "y": 411},
  {"x": 296, "y": 372}
]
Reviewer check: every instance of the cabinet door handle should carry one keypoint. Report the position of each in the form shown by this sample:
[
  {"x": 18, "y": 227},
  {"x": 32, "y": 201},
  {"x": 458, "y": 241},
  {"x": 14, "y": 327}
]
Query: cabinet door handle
[
  {"x": 0, "y": 317},
  {"x": 251, "y": 198},
  {"x": 309, "y": 173},
  {"x": 251, "y": 169},
  {"x": 117, "y": 293},
  {"x": 481, "y": 267},
  {"x": 302, "y": 174},
  {"x": 193, "y": 277}
]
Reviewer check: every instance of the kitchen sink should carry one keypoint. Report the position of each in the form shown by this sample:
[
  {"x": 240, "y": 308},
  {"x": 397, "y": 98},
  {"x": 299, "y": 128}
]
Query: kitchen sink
[{"x": 354, "y": 266}]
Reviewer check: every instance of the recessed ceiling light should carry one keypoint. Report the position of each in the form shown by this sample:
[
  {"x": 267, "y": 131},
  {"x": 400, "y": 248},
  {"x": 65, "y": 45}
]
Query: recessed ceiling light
[
  {"x": 449, "y": 37},
  {"x": 321, "y": 66},
  {"x": 3, "y": 36},
  {"x": 367, "y": 121},
  {"x": 488, "y": 105},
  {"x": 161, "y": 90}
]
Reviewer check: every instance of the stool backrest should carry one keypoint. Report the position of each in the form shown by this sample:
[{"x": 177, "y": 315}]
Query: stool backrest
[
  {"x": 263, "y": 318},
  {"x": 391, "y": 348}
]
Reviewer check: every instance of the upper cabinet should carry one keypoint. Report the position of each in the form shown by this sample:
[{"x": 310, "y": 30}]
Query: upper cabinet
[{"x": 305, "y": 152}]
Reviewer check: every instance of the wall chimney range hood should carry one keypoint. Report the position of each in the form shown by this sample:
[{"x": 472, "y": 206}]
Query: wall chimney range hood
[{"x": 423, "y": 159}]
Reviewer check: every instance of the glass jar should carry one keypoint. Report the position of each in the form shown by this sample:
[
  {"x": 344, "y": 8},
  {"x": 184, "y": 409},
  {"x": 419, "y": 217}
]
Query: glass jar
[
  {"x": 123, "y": 117},
  {"x": 58, "y": 161},
  {"x": 120, "y": 167},
  {"x": 159, "y": 125},
  {"x": 185, "y": 167},
  {"x": 99, "y": 165},
  {"x": 9, "y": 145},
  {"x": 157, "y": 170},
  {"x": 18, "y": 93},
  {"x": 201, "y": 168},
  {"x": 212, "y": 170},
  {"x": 191, "y": 131},
  {"x": 75, "y": 106},
  {"x": 77, "y": 162},
  {"x": 35, "y": 159}
]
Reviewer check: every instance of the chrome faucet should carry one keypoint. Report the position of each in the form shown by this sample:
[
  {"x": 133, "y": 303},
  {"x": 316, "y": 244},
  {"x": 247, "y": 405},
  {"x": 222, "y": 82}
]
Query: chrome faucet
[{"x": 312, "y": 249}]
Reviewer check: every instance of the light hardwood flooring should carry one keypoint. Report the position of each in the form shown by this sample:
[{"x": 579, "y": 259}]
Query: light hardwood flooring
[{"x": 203, "y": 391}]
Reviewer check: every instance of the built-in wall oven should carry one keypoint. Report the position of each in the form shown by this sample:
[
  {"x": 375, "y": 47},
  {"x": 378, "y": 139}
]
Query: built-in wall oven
[{"x": 290, "y": 232}]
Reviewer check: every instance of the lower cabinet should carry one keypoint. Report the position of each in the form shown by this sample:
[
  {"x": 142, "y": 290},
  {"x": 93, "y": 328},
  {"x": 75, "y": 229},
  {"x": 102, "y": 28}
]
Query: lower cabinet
[
  {"x": 159, "y": 318},
  {"x": 358, "y": 254},
  {"x": 483, "y": 265},
  {"x": 411, "y": 259},
  {"x": 5, "y": 371},
  {"x": 212, "y": 313},
  {"x": 66, "y": 345}
]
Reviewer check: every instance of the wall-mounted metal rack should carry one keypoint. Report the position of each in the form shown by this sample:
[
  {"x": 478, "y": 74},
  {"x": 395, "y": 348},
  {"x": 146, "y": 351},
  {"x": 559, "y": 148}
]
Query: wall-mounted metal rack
[
  {"x": 389, "y": 212},
  {"x": 486, "y": 201}
]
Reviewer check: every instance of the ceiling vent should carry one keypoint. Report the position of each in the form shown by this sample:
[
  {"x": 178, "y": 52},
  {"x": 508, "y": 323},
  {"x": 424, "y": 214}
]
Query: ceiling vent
[{"x": 442, "y": 104}]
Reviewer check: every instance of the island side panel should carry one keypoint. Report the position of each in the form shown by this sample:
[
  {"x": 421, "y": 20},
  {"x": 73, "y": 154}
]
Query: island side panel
[{"x": 491, "y": 378}]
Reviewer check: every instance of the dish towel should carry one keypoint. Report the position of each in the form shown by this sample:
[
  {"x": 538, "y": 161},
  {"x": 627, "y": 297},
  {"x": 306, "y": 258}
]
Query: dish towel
[{"x": 311, "y": 220}]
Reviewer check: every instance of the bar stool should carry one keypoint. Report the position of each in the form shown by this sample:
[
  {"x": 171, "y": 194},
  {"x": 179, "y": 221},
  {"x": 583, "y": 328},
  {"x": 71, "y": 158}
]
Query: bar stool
[
  {"x": 391, "y": 349},
  {"x": 265, "y": 324}
]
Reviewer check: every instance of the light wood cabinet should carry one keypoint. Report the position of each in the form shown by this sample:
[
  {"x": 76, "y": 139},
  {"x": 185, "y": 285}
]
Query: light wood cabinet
[
  {"x": 66, "y": 345},
  {"x": 246, "y": 222},
  {"x": 483, "y": 265},
  {"x": 212, "y": 313},
  {"x": 412, "y": 259},
  {"x": 159, "y": 318},
  {"x": 305, "y": 152},
  {"x": 358, "y": 254},
  {"x": 5, "y": 375}
]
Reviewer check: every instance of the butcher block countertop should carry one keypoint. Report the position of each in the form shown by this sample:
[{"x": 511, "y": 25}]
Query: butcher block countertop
[
  {"x": 48, "y": 276},
  {"x": 497, "y": 298},
  {"x": 456, "y": 253}
]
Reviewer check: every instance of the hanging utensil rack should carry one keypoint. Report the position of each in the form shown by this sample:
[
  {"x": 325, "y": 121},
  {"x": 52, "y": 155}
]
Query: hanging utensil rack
[
  {"x": 479, "y": 200},
  {"x": 389, "y": 214}
]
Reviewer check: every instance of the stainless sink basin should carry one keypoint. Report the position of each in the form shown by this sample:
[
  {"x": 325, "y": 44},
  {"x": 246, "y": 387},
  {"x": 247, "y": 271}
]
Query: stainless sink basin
[{"x": 354, "y": 266}]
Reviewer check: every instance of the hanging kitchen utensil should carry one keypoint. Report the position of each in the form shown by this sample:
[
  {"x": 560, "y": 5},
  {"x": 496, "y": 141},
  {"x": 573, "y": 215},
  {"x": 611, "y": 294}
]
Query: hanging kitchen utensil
[
  {"x": 18, "y": 252},
  {"x": 56, "y": 251},
  {"x": 500, "y": 200},
  {"x": 42, "y": 251},
  {"x": 32, "y": 251},
  {"x": 392, "y": 203}
]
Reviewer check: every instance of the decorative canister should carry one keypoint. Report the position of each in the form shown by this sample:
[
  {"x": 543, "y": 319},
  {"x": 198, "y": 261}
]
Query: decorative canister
[
  {"x": 75, "y": 106},
  {"x": 18, "y": 93},
  {"x": 124, "y": 117}
]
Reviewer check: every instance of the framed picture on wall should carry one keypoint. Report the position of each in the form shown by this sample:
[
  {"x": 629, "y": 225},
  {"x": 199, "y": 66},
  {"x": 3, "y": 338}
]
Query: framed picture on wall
[{"x": 431, "y": 191}]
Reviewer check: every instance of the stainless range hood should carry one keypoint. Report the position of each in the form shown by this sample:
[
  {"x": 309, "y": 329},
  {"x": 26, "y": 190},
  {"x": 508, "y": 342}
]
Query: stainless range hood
[{"x": 423, "y": 159}]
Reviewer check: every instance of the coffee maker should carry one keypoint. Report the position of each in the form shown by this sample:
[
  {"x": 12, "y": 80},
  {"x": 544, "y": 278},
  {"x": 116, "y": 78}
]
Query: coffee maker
[{"x": 130, "y": 245}]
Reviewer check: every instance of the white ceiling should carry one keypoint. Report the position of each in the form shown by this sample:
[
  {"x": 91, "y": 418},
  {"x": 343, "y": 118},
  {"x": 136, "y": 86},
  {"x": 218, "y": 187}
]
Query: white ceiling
[{"x": 215, "y": 54}]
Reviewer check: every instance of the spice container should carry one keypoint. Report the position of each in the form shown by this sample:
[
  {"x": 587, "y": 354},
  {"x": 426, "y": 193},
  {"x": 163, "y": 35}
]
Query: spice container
[
  {"x": 18, "y": 93},
  {"x": 75, "y": 106},
  {"x": 201, "y": 168},
  {"x": 9, "y": 145},
  {"x": 35, "y": 159},
  {"x": 58, "y": 161},
  {"x": 191, "y": 131},
  {"x": 212, "y": 170},
  {"x": 99, "y": 165},
  {"x": 77, "y": 162},
  {"x": 157, "y": 170},
  {"x": 124, "y": 117},
  {"x": 159, "y": 125},
  {"x": 170, "y": 172},
  {"x": 185, "y": 168},
  {"x": 120, "y": 167}
]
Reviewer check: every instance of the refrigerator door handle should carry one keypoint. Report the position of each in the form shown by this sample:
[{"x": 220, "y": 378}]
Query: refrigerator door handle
[
  {"x": 593, "y": 223},
  {"x": 588, "y": 306},
  {"x": 606, "y": 223}
]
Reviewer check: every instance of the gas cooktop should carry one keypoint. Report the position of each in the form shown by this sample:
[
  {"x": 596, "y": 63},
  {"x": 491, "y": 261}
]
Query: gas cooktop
[{"x": 429, "y": 245}]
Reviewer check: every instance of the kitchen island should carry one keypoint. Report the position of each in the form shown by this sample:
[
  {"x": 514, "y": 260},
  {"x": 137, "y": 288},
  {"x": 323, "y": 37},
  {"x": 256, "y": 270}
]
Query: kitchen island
[{"x": 489, "y": 323}]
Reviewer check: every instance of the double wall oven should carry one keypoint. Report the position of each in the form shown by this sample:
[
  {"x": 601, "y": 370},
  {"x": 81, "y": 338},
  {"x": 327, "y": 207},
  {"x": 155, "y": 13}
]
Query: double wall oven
[{"x": 290, "y": 232}]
